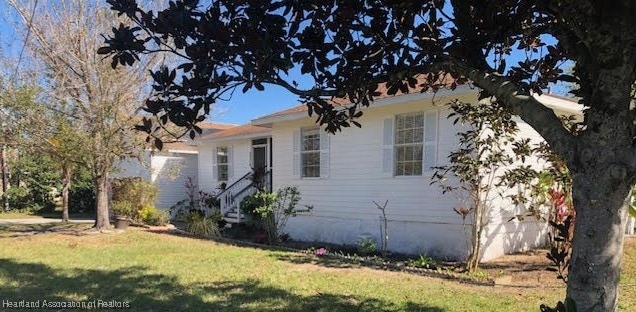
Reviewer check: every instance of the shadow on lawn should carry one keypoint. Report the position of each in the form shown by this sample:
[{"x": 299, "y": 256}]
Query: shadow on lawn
[
  {"x": 158, "y": 292},
  {"x": 19, "y": 230},
  {"x": 325, "y": 261}
]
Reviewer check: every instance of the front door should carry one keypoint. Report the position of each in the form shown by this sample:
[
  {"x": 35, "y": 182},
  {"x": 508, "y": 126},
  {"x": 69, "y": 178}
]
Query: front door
[{"x": 260, "y": 154}]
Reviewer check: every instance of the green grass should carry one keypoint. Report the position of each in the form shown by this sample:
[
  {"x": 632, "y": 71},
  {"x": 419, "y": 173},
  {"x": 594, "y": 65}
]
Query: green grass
[{"x": 161, "y": 272}]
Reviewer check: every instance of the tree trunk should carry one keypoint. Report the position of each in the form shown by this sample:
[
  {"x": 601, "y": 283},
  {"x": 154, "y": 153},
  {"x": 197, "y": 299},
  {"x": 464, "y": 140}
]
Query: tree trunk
[
  {"x": 600, "y": 201},
  {"x": 102, "y": 221},
  {"x": 66, "y": 172},
  {"x": 472, "y": 263},
  {"x": 5, "y": 178}
]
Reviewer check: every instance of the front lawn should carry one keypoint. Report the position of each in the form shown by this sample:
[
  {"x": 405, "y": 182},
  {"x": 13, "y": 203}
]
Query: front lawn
[
  {"x": 161, "y": 272},
  {"x": 49, "y": 215}
]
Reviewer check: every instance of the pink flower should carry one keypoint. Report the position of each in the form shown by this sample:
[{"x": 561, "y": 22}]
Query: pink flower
[{"x": 320, "y": 251}]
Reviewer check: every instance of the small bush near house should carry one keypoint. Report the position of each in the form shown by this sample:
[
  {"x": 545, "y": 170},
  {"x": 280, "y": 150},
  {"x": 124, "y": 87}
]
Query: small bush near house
[
  {"x": 135, "y": 190},
  {"x": 156, "y": 217},
  {"x": 135, "y": 193},
  {"x": 200, "y": 225},
  {"x": 367, "y": 246},
  {"x": 423, "y": 262},
  {"x": 276, "y": 208},
  {"x": 249, "y": 204},
  {"x": 123, "y": 209}
]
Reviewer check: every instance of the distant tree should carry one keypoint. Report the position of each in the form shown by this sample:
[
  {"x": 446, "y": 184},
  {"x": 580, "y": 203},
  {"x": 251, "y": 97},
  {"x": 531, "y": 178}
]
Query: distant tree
[
  {"x": 509, "y": 49},
  {"x": 98, "y": 103},
  {"x": 40, "y": 128}
]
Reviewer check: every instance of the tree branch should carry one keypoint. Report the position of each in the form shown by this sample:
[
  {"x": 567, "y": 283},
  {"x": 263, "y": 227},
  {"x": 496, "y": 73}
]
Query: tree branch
[{"x": 541, "y": 118}]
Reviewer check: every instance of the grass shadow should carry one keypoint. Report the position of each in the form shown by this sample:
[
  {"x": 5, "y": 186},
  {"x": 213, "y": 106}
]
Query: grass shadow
[
  {"x": 20, "y": 230},
  {"x": 158, "y": 292}
]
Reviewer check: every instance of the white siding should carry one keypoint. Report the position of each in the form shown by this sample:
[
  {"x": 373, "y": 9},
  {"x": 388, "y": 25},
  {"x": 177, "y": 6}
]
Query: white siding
[
  {"x": 133, "y": 167},
  {"x": 170, "y": 173},
  {"x": 502, "y": 236},
  {"x": 421, "y": 219},
  {"x": 207, "y": 176},
  {"x": 240, "y": 162},
  {"x": 168, "y": 170}
]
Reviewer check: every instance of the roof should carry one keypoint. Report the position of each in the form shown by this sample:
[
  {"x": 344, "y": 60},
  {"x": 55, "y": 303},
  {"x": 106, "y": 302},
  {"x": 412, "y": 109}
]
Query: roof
[
  {"x": 382, "y": 89},
  {"x": 209, "y": 127},
  {"x": 179, "y": 146},
  {"x": 187, "y": 145},
  {"x": 242, "y": 130}
]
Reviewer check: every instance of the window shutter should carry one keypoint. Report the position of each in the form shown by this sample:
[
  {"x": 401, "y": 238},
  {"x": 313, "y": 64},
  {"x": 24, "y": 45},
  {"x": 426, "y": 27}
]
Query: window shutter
[
  {"x": 324, "y": 154},
  {"x": 296, "y": 155},
  {"x": 430, "y": 140},
  {"x": 215, "y": 171},
  {"x": 230, "y": 163},
  {"x": 387, "y": 148}
]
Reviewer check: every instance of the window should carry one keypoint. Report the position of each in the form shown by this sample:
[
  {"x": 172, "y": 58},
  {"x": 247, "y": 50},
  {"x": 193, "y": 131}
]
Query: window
[
  {"x": 310, "y": 153},
  {"x": 409, "y": 144},
  {"x": 222, "y": 164}
]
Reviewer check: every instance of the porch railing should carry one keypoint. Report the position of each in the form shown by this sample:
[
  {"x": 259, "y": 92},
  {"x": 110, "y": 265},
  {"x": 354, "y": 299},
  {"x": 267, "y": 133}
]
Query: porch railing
[{"x": 231, "y": 197}]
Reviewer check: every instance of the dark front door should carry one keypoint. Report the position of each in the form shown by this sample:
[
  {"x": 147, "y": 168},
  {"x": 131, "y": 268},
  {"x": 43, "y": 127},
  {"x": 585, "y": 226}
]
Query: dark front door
[
  {"x": 260, "y": 157},
  {"x": 259, "y": 154}
]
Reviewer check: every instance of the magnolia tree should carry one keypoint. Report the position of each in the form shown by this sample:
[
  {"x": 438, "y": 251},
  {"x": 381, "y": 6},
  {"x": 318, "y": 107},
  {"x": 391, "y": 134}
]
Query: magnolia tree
[
  {"x": 490, "y": 150},
  {"x": 509, "y": 49}
]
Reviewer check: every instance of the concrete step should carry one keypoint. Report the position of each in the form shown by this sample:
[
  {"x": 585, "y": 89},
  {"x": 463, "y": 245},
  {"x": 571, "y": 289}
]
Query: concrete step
[{"x": 231, "y": 220}]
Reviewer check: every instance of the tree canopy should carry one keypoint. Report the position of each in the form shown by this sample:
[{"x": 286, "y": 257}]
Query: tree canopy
[{"x": 509, "y": 49}]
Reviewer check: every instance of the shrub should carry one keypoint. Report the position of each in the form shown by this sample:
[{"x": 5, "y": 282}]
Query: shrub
[
  {"x": 81, "y": 199},
  {"x": 276, "y": 208},
  {"x": 135, "y": 190},
  {"x": 249, "y": 204},
  {"x": 200, "y": 225},
  {"x": 134, "y": 198},
  {"x": 367, "y": 246},
  {"x": 422, "y": 262},
  {"x": 19, "y": 198},
  {"x": 123, "y": 209},
  {"x": 156, "y": 217}
]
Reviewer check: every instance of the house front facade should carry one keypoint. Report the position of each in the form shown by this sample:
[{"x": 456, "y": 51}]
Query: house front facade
[{"x": 389, "y": 159}]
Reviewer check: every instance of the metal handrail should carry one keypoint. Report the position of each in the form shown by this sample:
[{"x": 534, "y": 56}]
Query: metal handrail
[
  {"x": 232, "y": 185},
  {"x": 228, "y": 197}
]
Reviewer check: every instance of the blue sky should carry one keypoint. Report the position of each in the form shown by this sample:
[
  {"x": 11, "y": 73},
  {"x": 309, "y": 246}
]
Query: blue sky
[
  {"x": 241, "y": 108},
  {"x": 244, "y": 107}
]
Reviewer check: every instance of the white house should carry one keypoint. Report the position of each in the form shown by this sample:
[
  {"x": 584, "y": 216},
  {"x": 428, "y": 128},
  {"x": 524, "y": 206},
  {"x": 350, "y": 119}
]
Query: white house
[
  {"x": 389, "y": 158},
  {"x": 170, "y": 168}
]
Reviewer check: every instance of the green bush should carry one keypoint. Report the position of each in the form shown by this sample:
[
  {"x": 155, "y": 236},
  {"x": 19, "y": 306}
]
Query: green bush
[
  {"x": 123, "y": 209},
  {"x": 200, "y": 225},
  {"x": 34, "y": 178},
  {"x": 156, "y": 217},
  {"x": 367, "y": 246},
  {"x": 276, "y": 208},
  {"x": 249, "y": 204},
  {"x": 135, "y": 190},
  {"x": 81, "y": 199},
  {"x": 134, "y": 198},
  {"x": 423, "y": 262},
  {"x": 20, "y": 199}
]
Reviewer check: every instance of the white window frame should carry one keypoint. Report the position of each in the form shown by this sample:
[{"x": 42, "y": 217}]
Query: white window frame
[
  {"x": 220, "y": 164},
  {"x": 415, "y": 144},
  {"x": 303, "y": 151}
]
